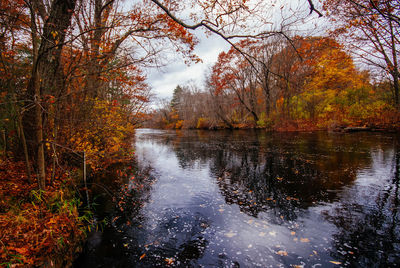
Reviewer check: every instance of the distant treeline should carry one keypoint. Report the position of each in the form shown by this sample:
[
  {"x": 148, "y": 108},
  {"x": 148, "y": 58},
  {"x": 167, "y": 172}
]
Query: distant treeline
[{"x": 299, "y": 84}]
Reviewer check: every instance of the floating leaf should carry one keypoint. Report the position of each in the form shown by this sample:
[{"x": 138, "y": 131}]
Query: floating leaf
[
  {"x": 230, "y": 234},
  {"x": 141, "y": 257},
  {"x": 169, "y": 261},
  {"x": 292, "y": 233},
  {"x": 335, "y": 262},
  {"x": 282, "y": 253},
  {"x": 304, "y": 240}
]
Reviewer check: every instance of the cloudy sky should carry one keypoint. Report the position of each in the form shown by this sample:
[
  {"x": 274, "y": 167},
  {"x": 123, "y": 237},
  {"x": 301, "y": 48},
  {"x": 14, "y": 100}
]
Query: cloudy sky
[{"x": 164, "y": 80}]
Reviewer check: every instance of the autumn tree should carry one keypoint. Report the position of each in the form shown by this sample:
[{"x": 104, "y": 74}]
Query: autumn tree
[
  {"x": 329, "y": 74},
  {"x": 234, "y": 73},
  {"x": 371, "y": 30}
]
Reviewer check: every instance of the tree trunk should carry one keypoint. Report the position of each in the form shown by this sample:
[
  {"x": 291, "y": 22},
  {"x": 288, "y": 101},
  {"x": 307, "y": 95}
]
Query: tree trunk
[
  {"x": 46, "y": 73},
  {"x": 23, "y": 141},
  {"x": 39, "y": 138},
  {"x": 396, "y": 91}
]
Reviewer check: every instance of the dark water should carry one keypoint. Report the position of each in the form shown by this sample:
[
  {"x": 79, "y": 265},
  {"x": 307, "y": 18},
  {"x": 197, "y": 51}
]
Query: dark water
[{"x": 255, "y": 199}]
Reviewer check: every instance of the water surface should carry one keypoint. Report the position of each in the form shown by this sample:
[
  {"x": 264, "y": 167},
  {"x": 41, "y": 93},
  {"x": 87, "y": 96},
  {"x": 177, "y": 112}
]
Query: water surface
[{"x": 255, "y": 199}]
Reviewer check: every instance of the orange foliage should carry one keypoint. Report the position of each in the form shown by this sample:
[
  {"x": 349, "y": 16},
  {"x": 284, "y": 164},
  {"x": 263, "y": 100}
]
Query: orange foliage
[{"x": 40, "y": 226}]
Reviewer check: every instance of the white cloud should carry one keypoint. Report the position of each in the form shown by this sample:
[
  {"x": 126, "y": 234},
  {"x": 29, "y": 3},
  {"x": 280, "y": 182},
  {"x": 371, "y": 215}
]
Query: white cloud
[{"x": 176, "y": 73}]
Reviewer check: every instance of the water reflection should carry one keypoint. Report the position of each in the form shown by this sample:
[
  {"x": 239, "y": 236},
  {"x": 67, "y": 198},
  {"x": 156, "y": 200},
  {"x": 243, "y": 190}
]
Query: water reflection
[
  {"x": 251, "y": 198},
  {"x": 281, "y": 173},
  {"x": 367, "y": 222}
]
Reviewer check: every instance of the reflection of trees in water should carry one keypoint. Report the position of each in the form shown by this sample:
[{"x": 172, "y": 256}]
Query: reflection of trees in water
[
  {"x": 277, "y": 173},
  {"x": 369, "y": 234},
  {"x": 282, "y": 174},
  {"x": 121, "y": 191}
]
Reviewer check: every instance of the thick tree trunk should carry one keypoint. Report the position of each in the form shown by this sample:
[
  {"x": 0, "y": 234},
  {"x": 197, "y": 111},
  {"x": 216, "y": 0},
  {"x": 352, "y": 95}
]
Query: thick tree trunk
[{"x": 46, "y": 74}]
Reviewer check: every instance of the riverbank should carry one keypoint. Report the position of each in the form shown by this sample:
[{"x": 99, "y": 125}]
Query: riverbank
[
  {"x": 38, "y": 228},
  {"x": 49, "y": 228},
  {"x": 390, "y": 125}
]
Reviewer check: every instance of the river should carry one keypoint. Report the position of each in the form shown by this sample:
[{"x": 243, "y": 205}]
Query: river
[{"x": 254, "y": 199}]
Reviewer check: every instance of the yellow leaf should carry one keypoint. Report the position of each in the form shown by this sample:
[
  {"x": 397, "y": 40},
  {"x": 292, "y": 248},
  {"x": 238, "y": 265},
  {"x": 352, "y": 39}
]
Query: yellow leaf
[
  {"x": 169, "y": 261},
  {"x": 335, "y": 262},
  {"x": 282, "y": 253},
  {"x": 141, "y": 257},
  {"x": 304, "y": 240},
  {"x": 292, "y": 233},
  {"x": 230, "y": 234}
]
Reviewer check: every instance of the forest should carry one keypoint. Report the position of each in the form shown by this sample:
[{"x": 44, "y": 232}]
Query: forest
[
  {"x": 309, "y": 83},
  {"x": 73, "y": 89}
]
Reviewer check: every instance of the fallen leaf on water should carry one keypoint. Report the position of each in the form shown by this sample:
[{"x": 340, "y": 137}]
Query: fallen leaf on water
[
  {"x": 335, "y": 262},
  {"x": 297, "y": 266},
  {"x": 315, "y": 253},
  {"x": 282, "y": 253},
  {"x": 125, "y": 245},
  {"x": 279, "y": 178},
  {"x": 141, "y": 257},
  {"x": 250, "y": 221},
  {"x": 230, "y": 234},
  {"x": 169, "y": 261},
  {"x": 221, "y": 210},
  {"x": 292, "y": 233},
  {"x": 304, "y": 240}
]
